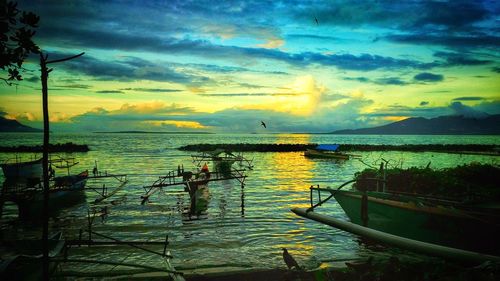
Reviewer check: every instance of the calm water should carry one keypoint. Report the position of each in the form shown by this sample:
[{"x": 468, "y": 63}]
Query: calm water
[{"x": 240, "y": 228}]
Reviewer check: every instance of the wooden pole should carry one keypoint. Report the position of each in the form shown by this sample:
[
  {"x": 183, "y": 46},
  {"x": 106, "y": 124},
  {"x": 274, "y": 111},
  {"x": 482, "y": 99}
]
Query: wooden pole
[
  {"x": 45, "y": 161},
  {"x": 45, "y": 164}
]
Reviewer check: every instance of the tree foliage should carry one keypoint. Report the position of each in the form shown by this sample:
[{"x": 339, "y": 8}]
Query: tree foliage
[{"x": 17, "y": 29}]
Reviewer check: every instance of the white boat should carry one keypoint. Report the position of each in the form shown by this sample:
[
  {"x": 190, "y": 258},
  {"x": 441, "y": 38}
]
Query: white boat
[{"x": 17, "y": 169}]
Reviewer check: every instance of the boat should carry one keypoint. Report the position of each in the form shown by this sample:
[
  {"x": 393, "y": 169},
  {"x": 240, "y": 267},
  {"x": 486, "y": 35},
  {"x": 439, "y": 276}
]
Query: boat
[
  {"x": 64, "y": 192},
  {"x": 470, "y": 226},
  {"x": 18, "y": 169},
  {"x": 328, "y": 151},
  {"x": 222, "y": 160},
  {"x": 432, "y": 221}
]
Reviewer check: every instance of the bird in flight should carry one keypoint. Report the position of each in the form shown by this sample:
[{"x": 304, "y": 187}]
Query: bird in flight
[
  {"x": 263, "y": 124},
  {"x": 316, "y": 20},
  {"x": 289, "y": 260}
]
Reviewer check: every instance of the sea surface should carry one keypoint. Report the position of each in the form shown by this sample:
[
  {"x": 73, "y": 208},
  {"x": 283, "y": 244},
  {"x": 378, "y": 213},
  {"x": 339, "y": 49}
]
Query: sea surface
[{"x": 236, "y": 227}]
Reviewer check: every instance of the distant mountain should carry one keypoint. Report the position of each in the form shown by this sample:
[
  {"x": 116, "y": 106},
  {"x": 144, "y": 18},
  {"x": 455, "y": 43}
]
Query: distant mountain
[
  {"x": 7, "y": 125},
  {"x": 443, "y": 125}
]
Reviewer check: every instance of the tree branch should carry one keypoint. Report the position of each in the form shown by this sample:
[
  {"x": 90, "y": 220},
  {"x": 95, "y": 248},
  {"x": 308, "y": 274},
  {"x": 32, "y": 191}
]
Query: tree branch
[{"x": 65, "y": 59}]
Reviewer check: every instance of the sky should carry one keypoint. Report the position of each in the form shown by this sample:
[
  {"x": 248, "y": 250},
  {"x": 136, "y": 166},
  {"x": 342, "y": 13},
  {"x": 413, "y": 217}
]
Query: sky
[{"x": 225, "y": 66}]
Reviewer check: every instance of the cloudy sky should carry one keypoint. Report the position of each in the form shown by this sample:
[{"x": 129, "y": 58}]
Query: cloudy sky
[{"x": 222, "y": 66}]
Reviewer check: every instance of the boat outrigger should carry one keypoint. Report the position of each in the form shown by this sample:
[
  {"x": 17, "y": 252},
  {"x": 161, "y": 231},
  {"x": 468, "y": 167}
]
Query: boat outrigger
[{"x": 430, "y": 225}]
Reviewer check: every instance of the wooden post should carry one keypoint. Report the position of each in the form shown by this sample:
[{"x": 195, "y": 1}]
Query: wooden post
[
  {"x": 45, "y": 165},
  {"x": 45, "y": 161}
]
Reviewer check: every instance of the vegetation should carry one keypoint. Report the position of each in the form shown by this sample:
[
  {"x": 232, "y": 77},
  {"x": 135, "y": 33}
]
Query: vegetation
[
  {"x": 465, "y": 181},
  {"x": 16, "y": 44}
]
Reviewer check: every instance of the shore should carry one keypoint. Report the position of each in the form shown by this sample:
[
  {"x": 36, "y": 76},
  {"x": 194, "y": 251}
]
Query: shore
[{"x": 59, "y": 147}]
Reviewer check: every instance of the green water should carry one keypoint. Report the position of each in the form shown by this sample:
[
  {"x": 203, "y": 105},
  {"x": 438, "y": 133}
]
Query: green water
[{"x": 240, "y": 227}]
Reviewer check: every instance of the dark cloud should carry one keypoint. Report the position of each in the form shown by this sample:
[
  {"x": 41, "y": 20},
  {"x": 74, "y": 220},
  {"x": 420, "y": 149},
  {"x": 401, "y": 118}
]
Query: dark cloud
[
  {"x": 453, "y": 59},
  {"x": 445, "y": 39},
  {"x": 467, "y": 111},
  {"x": 451, "y": 14},
  {"x": 127, "y": 69},
  {"x": 109, "y": 92},
  {"x": 250, "y": 86},
  {"x": 152, "y": 90},
  {"x": 247, "y": 94},
  {"x": 428, "y": 77},
  {"x": 391, "y": 81},
  {"x": 203, "y": 48},
  {"x": 359, "y": 79},
  {"x": 33, "y": 79},
  {"x": 312, "y": 36},
  {"x": 495, "y": 69},
  {"x": 468, "y": 98},
  {"x": 423, "y": 103}
]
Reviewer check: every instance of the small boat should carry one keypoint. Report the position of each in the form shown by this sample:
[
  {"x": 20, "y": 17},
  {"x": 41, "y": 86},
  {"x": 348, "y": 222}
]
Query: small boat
[
  {"x": 435, "y": 221},
  {"x": 18, "y": 169},
  {"x": 64, "y": 192},
  {"x": 472, "y": 227},
  {"x": 328, "y": 151}
]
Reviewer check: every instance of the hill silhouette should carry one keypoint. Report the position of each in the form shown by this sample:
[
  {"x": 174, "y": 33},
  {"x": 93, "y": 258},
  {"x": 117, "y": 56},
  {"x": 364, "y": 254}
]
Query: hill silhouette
[
  {"x": 443, "y": 125},
  {"x": 8, "y": 125}
]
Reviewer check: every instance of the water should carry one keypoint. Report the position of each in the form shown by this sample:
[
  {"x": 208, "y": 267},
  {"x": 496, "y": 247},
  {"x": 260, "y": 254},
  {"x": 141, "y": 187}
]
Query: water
[{"x": 241, "y": 227}]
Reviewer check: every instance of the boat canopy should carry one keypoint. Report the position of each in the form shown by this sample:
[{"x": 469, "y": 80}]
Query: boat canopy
[{"x": 328, "y": 147}]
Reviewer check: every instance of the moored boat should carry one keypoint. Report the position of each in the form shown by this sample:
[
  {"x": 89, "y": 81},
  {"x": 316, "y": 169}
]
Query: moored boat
[
  {"x": 64, "y": 192},
  {"x": 418, "y": 219},
  {"x": 328, "y": 151}
]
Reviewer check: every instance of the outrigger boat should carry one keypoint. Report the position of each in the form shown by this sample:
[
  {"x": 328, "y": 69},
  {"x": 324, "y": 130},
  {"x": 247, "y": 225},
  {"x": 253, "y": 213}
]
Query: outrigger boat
[
  {"x": 413, "y": 220},
  {"x": 195, "y": 183},
  {"x": 64, "y": 191},
  {"x": 222, "y": 160},
  {"x": 328, "y": 151}
]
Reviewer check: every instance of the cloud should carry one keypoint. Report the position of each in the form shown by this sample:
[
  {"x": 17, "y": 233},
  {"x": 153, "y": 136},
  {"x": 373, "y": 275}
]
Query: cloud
[
  {"x": 428, "y": 77},
  {"x": 151, "y": 90},
  {"x": 33, "y": 79},
  {"x": 109, "y": 92},
  {"x": 359, "y": 79},
  {"x": 468, "y": 99},
  {"x": 495, "y": 69},
  {"x": 391, "y": 81},
  {"x": 453, "y": 59},
  {"x": 248, "y": 95},
  {"x": 127, "y": 69},
  {"x": 467, "y": 111},
  {"x": 445, "y": 39},
  {"x": 204, "y": 48}
]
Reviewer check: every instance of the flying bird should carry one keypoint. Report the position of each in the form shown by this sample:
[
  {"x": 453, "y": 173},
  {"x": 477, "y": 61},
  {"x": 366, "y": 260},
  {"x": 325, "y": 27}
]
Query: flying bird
[
  {"x": 316, "y": 20},
  {"x": 263, "y": 124},
  {"x": 289, "y": 260}
]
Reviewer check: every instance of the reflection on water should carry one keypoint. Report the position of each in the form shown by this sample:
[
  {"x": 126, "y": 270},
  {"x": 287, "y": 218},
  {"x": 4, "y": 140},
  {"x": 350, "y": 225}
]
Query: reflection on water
[{"x": 229, "y": 225}]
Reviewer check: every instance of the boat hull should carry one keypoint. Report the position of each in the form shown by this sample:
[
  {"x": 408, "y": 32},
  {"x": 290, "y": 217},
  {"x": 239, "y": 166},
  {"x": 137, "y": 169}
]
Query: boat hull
[
  {"x": 411, "y": 219},
  {"x": 66, "y": 192},
  {"x": 326, "y": 155},
  {"x": 31, "y": 169}
]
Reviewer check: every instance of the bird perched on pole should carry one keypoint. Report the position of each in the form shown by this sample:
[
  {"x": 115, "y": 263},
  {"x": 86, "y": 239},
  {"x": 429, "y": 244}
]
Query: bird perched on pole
[
  {"x": 289, "y": 260},
  {"x": 263, "y": 124}
]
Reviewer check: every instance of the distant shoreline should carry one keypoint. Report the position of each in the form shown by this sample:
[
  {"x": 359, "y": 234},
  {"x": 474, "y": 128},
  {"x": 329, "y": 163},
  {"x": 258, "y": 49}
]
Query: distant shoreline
[
  {"x": 483, "y": 149},
  {"x": 59, "y": 147},
  {"x": 146, "y": 132}
]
